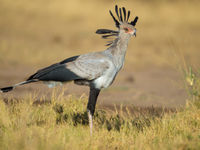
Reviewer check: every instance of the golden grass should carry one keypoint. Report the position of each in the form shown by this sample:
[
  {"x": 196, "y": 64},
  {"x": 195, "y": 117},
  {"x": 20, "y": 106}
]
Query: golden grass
[
  {"x": 63, "y": 124},
  {"x": 40, "y": 32}
]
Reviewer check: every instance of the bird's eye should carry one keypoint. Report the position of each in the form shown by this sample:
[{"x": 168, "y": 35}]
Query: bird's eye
[{"x": 126, "y": 29}]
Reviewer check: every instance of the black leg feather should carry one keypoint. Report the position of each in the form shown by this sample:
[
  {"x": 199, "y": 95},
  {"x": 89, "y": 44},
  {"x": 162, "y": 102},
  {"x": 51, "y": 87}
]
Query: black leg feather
[{"x": 92, "y": 100}]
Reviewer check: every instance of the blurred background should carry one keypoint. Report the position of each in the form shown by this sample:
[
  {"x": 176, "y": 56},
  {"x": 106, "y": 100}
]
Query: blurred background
[{"x": 35, "y": 34}]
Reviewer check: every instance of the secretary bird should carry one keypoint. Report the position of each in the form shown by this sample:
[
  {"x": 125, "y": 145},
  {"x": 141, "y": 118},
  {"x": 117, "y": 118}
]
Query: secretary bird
[{"x": 96, "y": 69}]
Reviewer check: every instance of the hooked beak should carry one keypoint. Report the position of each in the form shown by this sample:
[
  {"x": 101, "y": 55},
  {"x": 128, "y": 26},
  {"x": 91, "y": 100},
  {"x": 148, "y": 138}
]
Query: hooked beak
[{"x": 134, "y": 32}]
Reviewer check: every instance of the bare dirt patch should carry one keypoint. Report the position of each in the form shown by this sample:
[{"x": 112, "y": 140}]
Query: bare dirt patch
[{"x": 150, "y": 87}]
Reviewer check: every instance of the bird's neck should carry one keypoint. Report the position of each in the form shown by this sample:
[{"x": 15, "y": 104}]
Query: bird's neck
[{"x": 118, "y": 49}]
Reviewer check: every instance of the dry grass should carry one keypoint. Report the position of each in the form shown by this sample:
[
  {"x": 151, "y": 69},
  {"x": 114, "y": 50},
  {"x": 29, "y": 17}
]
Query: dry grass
[
  {"x": 40, "y": 32},
  {"x": 63, "y": 124}
]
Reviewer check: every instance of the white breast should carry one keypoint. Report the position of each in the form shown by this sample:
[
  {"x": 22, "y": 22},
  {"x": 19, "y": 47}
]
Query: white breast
[{"x": 106, "y": 79}]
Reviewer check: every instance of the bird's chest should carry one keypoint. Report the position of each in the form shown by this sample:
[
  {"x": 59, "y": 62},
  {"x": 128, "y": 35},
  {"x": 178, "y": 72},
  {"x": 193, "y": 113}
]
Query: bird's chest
[{"x": 105, "y": 80}]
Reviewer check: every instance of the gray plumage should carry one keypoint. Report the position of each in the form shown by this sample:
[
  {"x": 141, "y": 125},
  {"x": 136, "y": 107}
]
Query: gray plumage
[{"x": 97, "y": 69}]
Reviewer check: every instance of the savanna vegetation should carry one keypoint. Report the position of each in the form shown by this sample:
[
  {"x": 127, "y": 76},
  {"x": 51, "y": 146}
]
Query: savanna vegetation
[
  {"x": 62, "y": 123},
  {"x": 37, "y": 33}
]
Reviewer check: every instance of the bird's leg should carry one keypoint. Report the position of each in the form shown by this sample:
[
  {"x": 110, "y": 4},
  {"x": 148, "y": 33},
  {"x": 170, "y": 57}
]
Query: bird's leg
[
  {"x": 90, "y": 122},
  {"x": 91, "y": 105}
]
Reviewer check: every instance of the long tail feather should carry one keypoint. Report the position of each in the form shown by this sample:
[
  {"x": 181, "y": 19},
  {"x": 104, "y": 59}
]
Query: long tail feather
[
  {"x": 10, "y": 88},
  {"x": 7, "y": 89}
]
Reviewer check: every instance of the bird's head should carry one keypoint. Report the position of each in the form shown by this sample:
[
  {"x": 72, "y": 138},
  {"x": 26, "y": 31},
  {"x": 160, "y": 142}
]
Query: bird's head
[
  {"x": 122, "y": 21},
  {"x": 125, "y": 27}
]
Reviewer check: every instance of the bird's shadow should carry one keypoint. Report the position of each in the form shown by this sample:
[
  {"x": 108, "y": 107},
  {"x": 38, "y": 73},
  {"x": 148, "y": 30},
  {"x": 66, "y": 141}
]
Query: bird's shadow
[
  {"x": 75, "y": 118},
  {"x": 101, "y": 119}
]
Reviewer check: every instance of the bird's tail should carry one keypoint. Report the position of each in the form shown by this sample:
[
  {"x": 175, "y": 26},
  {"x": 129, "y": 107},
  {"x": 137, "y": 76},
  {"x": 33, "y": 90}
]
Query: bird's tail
[{"x": 10, "y": 88}]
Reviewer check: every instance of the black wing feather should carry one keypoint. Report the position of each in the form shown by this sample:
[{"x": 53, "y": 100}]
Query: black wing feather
[{"x": 56, "y": 72}]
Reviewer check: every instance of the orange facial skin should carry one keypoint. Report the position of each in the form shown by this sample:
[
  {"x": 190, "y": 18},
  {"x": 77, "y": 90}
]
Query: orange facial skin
[{"x": 128, "y": 30}]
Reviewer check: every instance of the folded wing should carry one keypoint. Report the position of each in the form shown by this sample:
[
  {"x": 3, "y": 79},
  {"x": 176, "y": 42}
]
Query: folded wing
[{"x": 84, "y": 67}]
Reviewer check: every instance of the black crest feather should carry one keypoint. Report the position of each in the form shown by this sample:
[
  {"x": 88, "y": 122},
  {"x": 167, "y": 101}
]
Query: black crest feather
[
  {"x": 105, "y": 31},
  {"x": 108, "y": 35},
  {"x": 124, "y": 11},
  {"x": 116, "y": 10},
  {"x": 134, "y": 21},
  {"x": 122, "y": 16},
  {"x": 116, "y": 22},
  {"x": 128, "y": 15},
  {"x": 120, "y": 12}
]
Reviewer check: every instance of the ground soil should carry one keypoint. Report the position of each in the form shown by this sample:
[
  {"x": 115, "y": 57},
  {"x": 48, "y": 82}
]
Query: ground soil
[{"x": 154, "y": 86}]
